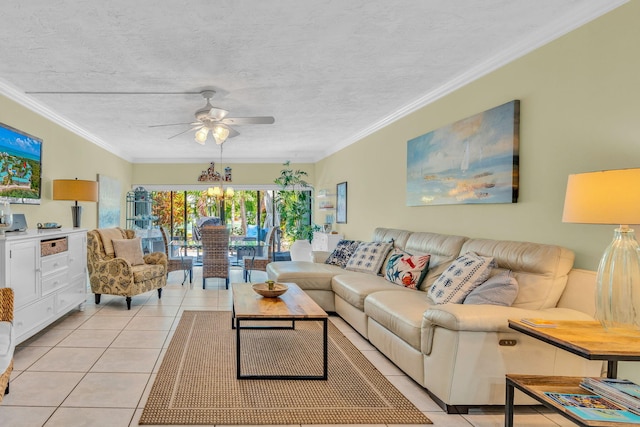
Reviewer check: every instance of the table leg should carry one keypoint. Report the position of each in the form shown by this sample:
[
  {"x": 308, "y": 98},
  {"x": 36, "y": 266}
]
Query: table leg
[
  {"x": 508, "y": 407},
  {"x": 237, "y": 349},
  {"x": 325, "y": 341},
  {"x": 612, "y": 369}
]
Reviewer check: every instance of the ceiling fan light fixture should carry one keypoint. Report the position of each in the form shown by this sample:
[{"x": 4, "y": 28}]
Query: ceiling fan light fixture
[
  {"x": 201, "y": 135},
  {"x": 220, "y": 134}
]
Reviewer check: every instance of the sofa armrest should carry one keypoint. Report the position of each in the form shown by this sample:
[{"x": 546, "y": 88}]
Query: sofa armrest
[
  {"x": 483, "y": 318},
  {"x": 320, "y": 256},
  {"x": 489, "y": 318}
]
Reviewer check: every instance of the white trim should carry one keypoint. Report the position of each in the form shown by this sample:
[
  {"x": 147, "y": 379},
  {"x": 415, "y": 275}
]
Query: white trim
[{"x": 26, "y": 101}]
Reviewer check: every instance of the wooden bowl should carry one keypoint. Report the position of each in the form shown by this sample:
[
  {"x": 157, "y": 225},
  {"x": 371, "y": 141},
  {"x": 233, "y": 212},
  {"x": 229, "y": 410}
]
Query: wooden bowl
[{"x": 263, "y": 289}]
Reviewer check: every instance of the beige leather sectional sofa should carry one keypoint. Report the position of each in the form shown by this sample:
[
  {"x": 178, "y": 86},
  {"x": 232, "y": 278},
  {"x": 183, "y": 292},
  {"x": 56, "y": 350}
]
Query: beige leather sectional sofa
[{"x": 459, "y": 352}]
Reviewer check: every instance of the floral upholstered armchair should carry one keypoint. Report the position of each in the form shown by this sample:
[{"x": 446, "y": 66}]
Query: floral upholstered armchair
[{"x": 117, "y": 267}]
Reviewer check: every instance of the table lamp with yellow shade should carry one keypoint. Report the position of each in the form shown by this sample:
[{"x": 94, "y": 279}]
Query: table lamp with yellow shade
[
  {"x": 611, "y": 197},
  {"x": 77, "y": 190}
]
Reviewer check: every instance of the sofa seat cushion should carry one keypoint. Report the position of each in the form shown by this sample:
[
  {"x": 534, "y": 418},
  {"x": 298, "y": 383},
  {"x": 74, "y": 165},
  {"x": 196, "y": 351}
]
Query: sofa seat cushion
[
  {"x": 145, "y": 272},
  {"x": 7, "y": 345},
  {"x": 400, "y": 311},
  {"x": 355, "y": 287},
  {"x": 307, "y": 275}
]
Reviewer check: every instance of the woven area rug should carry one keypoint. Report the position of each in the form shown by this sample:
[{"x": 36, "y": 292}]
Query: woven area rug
[{"x": 196, "y": 382}]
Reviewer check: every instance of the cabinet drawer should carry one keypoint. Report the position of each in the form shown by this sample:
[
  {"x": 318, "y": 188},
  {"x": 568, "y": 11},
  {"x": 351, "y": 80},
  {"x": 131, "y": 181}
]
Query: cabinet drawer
[
  {"x": 53, "y": 246},
  {"x": 54, "y": 263},
  {"x": 72, "y": 295},
  {"x": 54, "y": 281},
  {"x": 32, "y": 316}
]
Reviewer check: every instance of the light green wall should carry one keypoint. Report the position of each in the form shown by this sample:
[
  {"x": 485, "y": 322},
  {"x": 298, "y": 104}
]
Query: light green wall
[
  {"x": 65, "y": 156},
  {"x": 580, "y": 111}
]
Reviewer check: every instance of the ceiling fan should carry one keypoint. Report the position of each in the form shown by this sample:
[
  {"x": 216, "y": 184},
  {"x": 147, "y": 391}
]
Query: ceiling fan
[{"x": 213, "y": 119}]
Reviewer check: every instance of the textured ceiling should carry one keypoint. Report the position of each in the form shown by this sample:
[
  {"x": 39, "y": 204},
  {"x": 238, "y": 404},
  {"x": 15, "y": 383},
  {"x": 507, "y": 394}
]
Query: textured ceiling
[{"x": 330, "y": 72}]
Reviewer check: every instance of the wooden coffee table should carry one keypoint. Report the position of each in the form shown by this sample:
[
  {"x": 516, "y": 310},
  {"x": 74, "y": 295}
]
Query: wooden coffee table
[{"x": 294, "y": 305}]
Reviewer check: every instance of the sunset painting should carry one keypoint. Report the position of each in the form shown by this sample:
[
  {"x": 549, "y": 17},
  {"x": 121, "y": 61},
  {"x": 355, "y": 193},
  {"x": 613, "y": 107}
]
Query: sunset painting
[{"x": 474, "y": 160}]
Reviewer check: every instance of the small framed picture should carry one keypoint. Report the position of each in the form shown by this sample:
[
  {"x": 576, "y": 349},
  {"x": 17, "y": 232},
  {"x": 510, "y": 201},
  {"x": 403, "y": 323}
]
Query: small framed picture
[{"x": 341, "y": 203}]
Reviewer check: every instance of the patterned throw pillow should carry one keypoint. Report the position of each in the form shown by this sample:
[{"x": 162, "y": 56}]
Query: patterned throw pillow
[
  {"x": 343, "y": 251},
  {"x": 407, "y": 270},
  {"x": 129, "y": 249},
  {"x": 501, "y": 289},
  {"x": 463, "y": 275},
  {"x": 368, "y": 258}
]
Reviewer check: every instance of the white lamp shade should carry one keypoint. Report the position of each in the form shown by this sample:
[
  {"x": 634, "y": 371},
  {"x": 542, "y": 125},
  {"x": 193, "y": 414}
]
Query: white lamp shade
[{"x": 604, "y": 197}]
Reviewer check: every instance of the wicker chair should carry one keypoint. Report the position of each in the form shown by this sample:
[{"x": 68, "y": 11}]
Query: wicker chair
[
  {"x": 7, "y": 339},
  {"x": 111, "y": 275},
  {"x": 260, "y": 263},
  {"x": 180, "y": 263},
  {"x": 215, "y": 253}
]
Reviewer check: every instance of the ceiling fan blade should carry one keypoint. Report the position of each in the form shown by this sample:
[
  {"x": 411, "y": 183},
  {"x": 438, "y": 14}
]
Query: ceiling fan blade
[
  {"x": 217, "y": 113},
  {"x": 171, "y": 124},
  {"x": 264, "y": 120},
  {"x": 184, "y": 131}
]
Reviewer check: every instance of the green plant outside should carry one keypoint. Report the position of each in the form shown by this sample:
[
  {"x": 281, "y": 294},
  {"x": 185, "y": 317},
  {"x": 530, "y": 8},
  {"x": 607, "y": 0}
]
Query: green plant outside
[{"x": 294, "y": 204}]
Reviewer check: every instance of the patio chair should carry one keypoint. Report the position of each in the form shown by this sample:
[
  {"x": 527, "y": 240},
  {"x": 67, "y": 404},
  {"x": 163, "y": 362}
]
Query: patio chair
[
  {"x": 259, "y": 263},
  {"x": 176, "y": 263},
  {"x": 215, "y": 253}
]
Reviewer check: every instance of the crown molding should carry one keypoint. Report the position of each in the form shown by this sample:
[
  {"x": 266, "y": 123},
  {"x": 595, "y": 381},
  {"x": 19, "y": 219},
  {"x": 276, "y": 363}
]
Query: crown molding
[
  {"x": 545, "y": 35},
  {"x": 26, "y": 101}
]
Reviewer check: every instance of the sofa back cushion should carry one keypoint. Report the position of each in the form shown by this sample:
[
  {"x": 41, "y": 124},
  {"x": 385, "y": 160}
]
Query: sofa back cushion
[
  {"x": 398, "y": 236},
  {"x": 540, "y": 270},
  {"x": 442, "y": 248}
]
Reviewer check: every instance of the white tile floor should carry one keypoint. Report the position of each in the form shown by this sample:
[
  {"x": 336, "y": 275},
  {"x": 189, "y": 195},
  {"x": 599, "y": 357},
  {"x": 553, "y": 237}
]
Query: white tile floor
[{"x": 95, "y": 367}]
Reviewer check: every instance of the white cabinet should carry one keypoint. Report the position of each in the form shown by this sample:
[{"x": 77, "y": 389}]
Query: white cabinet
[
  {"x": 47, "y": 270},
  {"x": 325, "y": 242}
]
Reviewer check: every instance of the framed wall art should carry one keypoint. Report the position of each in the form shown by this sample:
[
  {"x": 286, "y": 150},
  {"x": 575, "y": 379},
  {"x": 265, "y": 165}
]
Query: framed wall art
[
  {"x": 474, "y": 160},
  {"x": 341, "y": 203},
  {"x": 108, "y": 201}
]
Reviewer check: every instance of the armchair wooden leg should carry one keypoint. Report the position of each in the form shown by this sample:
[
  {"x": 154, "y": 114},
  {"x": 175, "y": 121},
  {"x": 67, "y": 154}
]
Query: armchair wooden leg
[
  {"x": 128, "y": 299},
  {"x": 6, "y": 390},
  {"x": 159, "y": 293},
  {"x": 226, "y": 283},
  {"x": 191, "y": 275},
  {"x": 98, "y": 298}
]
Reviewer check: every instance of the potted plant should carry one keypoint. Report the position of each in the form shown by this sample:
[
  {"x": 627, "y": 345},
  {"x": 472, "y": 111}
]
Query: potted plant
[{"x": 294, "y": 204}]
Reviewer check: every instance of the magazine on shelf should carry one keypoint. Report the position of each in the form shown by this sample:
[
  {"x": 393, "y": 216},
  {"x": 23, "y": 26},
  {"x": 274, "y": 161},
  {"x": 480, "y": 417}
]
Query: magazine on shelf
[
  {"x": 592, "y": 407},
  {"x": 539, "y": 323},
  {"x": 622, "y": 392}
]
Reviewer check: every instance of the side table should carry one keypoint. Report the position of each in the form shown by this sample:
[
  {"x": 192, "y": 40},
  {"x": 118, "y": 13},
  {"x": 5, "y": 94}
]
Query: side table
[{"x": 587, "y": 339}]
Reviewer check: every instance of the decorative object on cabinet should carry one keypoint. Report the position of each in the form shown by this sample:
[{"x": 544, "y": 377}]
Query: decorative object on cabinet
[
  {"x": 111, "y": 275},
  {"x": 610, "y": 197},
  {"x": 474, "y": 160},
  {"x": 108, "y": 202},
  {"x": 78, "y": 190},
  {"x": 341, "y": 203},
  {"x": 7, "y": 339},
  {"x": 47, "y": 271},
  {"x": 6, "y": 217}
]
